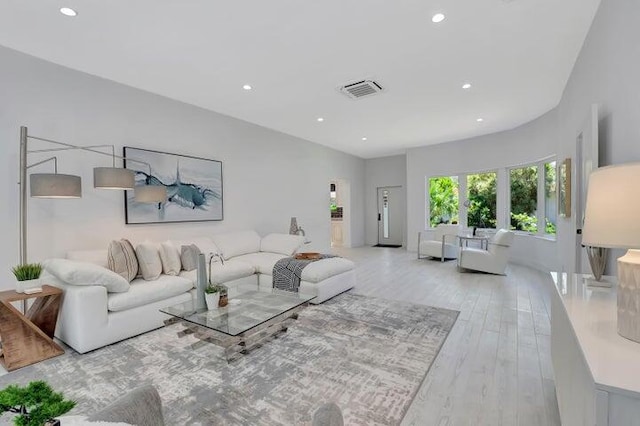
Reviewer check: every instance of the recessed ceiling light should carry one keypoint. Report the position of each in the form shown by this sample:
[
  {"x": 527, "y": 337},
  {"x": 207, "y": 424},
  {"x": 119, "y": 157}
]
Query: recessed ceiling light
[
  {"x": 247, "y": 87},
  {"x": 320, "y": 119},
  {"x": 438, "y": 17},
  {"x": 466, "y": 86},
  {"x": 67, "y": 11},
  {"x": 480, "y": 120},
  {"x": 364, "y": 139}
]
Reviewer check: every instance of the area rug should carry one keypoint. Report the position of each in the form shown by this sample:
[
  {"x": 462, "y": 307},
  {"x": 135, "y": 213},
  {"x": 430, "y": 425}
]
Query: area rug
[{"x": 366, "y": 354}]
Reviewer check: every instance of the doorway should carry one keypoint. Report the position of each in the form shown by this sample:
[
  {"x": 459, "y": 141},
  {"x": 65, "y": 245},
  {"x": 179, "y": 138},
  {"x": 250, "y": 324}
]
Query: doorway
[
  {"x": 340, "y": 206},
  {"x": 586, "y": 162},
  {"x": 390, "y": 216}
]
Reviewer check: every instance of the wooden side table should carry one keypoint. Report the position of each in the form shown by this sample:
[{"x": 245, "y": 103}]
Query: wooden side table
[{"x": 27, "y": 339}]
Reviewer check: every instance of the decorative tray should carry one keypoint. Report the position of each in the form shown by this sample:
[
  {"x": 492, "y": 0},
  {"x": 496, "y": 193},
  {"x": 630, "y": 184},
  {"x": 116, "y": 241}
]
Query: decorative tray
[{"x": 308, "y": 256}]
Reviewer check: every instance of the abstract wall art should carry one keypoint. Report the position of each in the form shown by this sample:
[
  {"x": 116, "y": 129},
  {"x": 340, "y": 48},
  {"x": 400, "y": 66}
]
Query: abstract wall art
[{"x": 194, "y": 187}]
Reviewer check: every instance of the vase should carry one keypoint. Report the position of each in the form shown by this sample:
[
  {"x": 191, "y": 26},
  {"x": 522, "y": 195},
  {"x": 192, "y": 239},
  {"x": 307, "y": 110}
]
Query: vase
[
  {"x": 21, "y": 286},
  {"x": 224, "y": 300},
  {"x": 212, "y": 300}
]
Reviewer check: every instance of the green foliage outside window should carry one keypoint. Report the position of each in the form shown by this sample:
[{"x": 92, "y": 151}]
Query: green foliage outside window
[
  {"x": 443, "y": 200},
  {"x": 482, "y": 197},
  {"x": 524, "y": 199},
  {"x": 551, "y": 198}
]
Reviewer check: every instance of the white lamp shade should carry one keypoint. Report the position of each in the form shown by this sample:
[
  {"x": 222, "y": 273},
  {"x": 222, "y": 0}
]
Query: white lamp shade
[
  {"x": 113, "y": 178},
  {"x": 612, "y": 215},
  {"x": 151, "y": 194},
  {"x": 54, "y": 185}
]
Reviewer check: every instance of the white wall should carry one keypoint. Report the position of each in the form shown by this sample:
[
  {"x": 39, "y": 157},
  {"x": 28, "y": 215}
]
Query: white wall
[
  {"x": 530, "y": 142},
  {"x": 379, "y": 172},
  {"x": 268, "y": 176},
  {"x": 606, "y": 73}
]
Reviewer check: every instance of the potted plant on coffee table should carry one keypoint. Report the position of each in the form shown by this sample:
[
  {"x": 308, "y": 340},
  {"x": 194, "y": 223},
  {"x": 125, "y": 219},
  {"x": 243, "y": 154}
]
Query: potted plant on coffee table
[
  {"x": 28, "y": 276},
  {"x": 212, "y": 295},
  {"x": 34, "y": 405}
]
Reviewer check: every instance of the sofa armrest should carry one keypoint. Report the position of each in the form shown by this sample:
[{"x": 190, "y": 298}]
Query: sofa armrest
[{"x": 82, "y": 314}]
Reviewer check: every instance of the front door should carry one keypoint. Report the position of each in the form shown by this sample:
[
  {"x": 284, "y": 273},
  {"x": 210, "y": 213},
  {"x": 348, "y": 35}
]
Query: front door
[
  {"x": 586, "y": 162},
  {"x": 390, "y": 216}
]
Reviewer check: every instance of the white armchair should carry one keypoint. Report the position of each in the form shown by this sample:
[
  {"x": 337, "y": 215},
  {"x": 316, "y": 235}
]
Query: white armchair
[
  {"x": 441, "y": 243},
  {"x": 492, "y": 260}
]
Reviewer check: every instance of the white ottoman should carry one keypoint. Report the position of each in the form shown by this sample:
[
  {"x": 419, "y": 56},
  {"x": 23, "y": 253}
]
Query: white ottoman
[{"x": 326, "y": 278}]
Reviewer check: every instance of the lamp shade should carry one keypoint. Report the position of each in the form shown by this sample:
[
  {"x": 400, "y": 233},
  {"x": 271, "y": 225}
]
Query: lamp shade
[
  {"x": 612, "y": 215},
  {"x": 113, "y": 178},
  {"x": 151, "y": 194},
  {"x": 54, "y": 185}
]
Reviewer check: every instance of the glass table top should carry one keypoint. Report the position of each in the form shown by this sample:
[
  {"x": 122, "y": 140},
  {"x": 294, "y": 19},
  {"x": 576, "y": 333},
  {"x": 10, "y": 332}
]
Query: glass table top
[{"x": 247, "y": 309}]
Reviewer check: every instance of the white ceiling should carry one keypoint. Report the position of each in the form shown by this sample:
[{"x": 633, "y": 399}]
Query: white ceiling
[{"x": 518, "y": 55}]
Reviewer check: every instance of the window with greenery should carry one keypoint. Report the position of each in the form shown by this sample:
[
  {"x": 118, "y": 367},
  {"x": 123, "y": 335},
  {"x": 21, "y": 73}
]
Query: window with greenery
[
  {"x": 524, "y": 198},
  {"x": 482, "y": 196},
  {"x": 550, "y": 198},
  {"x": 443, "y": 200}
]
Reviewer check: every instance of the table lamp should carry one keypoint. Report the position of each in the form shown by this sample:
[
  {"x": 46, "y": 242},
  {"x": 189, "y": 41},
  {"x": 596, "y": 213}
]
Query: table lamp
[{"x": 612, "y": 220}]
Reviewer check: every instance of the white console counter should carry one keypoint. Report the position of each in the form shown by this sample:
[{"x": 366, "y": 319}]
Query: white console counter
[{"x": 597, "y": 371}]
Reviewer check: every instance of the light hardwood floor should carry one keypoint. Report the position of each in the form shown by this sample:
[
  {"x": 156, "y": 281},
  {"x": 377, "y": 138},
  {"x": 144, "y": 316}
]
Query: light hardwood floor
[{"x": 495, "y": 367}]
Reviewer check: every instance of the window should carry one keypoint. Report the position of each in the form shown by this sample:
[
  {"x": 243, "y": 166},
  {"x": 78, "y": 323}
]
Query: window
[
  {"x": 443, "y": 200},
  {"x": 482, "y": 199},
  {"x": 534, "y": 205},
  {"x": 550, "y": 198},
  {"x": 524, "y": 198}
]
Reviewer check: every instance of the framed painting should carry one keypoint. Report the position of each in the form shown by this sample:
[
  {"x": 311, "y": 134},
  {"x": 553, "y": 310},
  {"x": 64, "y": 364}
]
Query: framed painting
[
  {"x": 564, "y": 188},
  {"x": 194, "y": 187}
]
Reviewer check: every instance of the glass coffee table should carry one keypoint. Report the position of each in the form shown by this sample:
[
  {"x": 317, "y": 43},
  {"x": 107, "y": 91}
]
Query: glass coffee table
[{"x": 251, "y": 318}]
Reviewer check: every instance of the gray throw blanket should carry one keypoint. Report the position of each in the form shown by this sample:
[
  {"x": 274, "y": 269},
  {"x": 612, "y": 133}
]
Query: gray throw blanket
[{"x": 287, "y": 272}]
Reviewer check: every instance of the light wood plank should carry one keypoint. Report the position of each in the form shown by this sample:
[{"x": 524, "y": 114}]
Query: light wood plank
[{"x": 494, "y": 368}]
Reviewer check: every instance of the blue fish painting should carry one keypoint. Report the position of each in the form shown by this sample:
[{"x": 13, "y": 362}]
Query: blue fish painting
[{"x": 194, "y": 187}]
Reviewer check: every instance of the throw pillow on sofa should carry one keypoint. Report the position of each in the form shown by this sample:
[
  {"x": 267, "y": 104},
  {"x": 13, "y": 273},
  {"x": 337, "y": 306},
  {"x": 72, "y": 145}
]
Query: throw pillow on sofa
[
  {"x": 189, "y": 257},
  {"x": 170, "y": 258},
  {"x": 83, "y": 273},
  {"x": 121, "y": 259},
  {"x": 149, "y": 261}
]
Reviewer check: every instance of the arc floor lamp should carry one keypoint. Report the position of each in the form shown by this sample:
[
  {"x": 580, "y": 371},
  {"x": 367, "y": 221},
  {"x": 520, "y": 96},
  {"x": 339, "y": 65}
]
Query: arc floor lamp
[{"x": 57, "y": 185}]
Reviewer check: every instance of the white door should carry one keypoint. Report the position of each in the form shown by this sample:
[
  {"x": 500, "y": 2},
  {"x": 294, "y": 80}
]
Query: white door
[
  {"x": 390, "y": 216},
  {"x": 586, "y": 162}
]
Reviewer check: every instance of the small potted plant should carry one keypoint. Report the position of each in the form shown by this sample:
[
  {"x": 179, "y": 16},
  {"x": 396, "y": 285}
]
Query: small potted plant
[
  {"x": 35, "y": 404},
  {"x": 212, "y": 295},
  {"x": 28, "y": 276}
]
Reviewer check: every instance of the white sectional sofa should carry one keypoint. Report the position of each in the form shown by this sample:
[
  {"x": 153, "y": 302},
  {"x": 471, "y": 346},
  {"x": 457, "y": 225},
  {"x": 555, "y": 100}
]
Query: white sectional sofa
[{"x": 92, "y": 317}]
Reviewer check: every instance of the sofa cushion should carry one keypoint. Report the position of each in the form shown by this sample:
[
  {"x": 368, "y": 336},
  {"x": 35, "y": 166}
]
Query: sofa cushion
[
  {"x": 326, "y": 268},
  {"x": 97, "y": 257},
  {"x": 221, "y": 274},
  {"x": 170, "y": 258},
  {"x": 263, "y": 262},
  {"x": 189, "y": 257},
  {"x": 281, "y": 243},
  {"x": 84, "y": 273},
  {"x": 192, "y": 276},
  {"x": 122, "y": 259},
  {"x": 206, "y": 246},
  {"x": 144, "y": 292},
  {"x": 230, "y": 271},
  {"x": 149, "y": 261},
  {"x": 234, "y": 244}
]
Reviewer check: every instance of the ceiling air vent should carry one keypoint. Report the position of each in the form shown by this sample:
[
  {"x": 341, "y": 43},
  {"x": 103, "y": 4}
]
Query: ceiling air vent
[{"x": 361, "y": 89}]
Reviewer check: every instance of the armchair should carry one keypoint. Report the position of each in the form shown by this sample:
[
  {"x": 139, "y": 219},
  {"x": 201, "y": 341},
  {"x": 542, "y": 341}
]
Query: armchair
[
  {"x": 492, "y": 260},
  {"x": 441, "y": 244}
]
